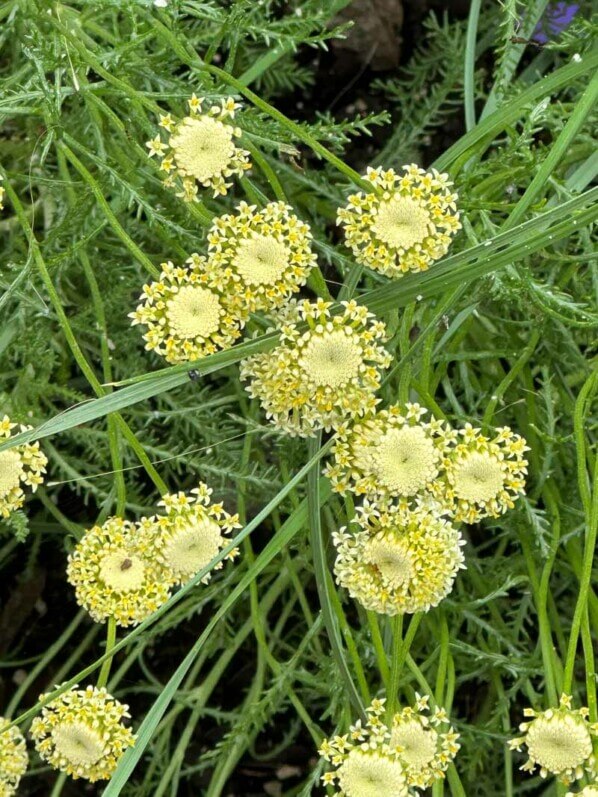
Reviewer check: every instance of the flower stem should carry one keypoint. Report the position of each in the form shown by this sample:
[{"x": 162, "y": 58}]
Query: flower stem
[{"x": 110, "y": 642}]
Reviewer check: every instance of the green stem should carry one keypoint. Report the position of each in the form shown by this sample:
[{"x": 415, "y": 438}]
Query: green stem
[
  {"x": 397, "y": 661},
  {"x": 321, "y": 573},
  {"x": 469, "y": 70},
  {"x": 379, "y": 647},
  {"x": 591, "y": 510},
  {"x": 110, "y": 643}
]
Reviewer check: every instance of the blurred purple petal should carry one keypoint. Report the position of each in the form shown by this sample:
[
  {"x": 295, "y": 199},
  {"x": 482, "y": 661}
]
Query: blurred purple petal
[{"x": 557, "y": 17}]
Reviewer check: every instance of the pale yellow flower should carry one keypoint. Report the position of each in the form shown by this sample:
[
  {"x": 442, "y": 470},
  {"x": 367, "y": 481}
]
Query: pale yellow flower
[
  {"x": 13, "y": 758},
  {"x": 589, "y": 791},
  {"x": 426, "y": 742},
  {"x": 190, "y": 533},
  {"x": 190, "y": 312},
  {"x": 201, "y": 148},
  {"x": 81, "y": 733},
  {"x": 482, "y": 477},
  {"x": 559, "y": 741},
  {"x": 24, "y": 464},
  {"x": 404, "y": 224},
  {"x": 399, "y": 561},
  {"x": 366, "y": 764},
  {"x": 266, "y": 253},
  {"x": 116, "y": 572},
  {"x": 325, "y": 369},
  {"x": 391, "y": 454}
]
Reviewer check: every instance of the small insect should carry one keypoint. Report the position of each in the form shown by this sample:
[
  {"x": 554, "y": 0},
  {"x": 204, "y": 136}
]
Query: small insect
[
  {"x": 521, "y": 40},
  {"x": 126, "y": 564},
  {"x": 193, "y": 374}
]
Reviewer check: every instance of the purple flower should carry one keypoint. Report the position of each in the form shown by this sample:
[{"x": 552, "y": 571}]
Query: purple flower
[{"x": 556, "y": 19}]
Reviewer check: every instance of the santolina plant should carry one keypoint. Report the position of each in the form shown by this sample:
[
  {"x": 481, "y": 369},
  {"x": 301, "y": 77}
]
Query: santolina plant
[{"x": 358, "y": 376}]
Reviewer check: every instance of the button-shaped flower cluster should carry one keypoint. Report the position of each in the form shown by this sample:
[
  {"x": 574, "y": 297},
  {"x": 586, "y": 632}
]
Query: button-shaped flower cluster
[
  {"x": 399, "y": 561},
  {"x": 201, "y": 149},
  {"x": 190, "y": 533},
  {"x": 391, "y": 454},
  {"x": 374, "y": 759},
  {"x": 265, "y": 253},
  {"x": 559, "y": 741},
  {"x": 190, "y": 312},
  {"x": 81, "y": 733},
  {"x": 327, "y": 368},
  {"x": 13, "y": 758},
  {"x": 116, "y": 572},
  {"x": 404, "y": 224},
  {"x": 24, "y": 464}
]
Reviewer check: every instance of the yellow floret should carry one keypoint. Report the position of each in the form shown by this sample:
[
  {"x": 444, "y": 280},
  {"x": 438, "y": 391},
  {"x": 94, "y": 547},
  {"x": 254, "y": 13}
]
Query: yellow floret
[
  {"x": 13, "y": 758},
  {"x": 400, "y": 561},
  {"x": 559, "y": 741},
  {"x": 116, "y": 572},
  {"x": 190, "y": 312},
  {"x": 81, "y": 733},
  {"x": 325, "y": 370},
  {"x": 201, "y": 149},
  {"x": 266, "y": 253},
  {"x": 24, "y": 464},
  {"x": 404, "y": 224}
]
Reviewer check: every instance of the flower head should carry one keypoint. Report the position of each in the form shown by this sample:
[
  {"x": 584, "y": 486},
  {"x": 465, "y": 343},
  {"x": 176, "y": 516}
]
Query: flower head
[
  {"x": 81, "y": 733},
  {"x": 321, "y": 375},
  {"x": 13, "y": 758},
  {"x": 116, "y": 572},
  {"x": 400, "y": 561},
  {"x": 189, "y": 312},
  {"x": 23, "y": 464},
  {"x": 190, "y": 533},
  {"x": 392, "y": 454},
  {"x": 558, "y": 741},
  {"x": 366, "y": 763},
  {"x": 405, "y": 224},
  {"x": 426, "y": 742},
  {"x": 589, "y": 791},
  {"x": 483, "y": 477},
  {"x": 265, "y": 253},
  {"x": 201, "y": 148}
]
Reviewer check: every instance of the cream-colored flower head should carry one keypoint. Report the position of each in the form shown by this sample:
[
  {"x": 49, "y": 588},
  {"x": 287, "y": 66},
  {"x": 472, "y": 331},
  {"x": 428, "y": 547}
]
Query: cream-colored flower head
[
  {"x": 201, "y": 148},
  {"x": 81, "y": 733},
  {"x": 588, "y": 791},
  {"x": 483, "y": 476},
  {"x": 400, "y": 561},
  {"x": 190, "y": 312},
  {"x": 366, "y": 763},
  {"x": 13, "y": 758},
  {"x": 404, "y": 224},
  {"x": 426, "y": 742},
  {"x": 190, "y": 533},
  {"x": 559, "y": 741},
  {"x": 266, "y": 253},
  {"x": 392, "y": 454},
  {"x": 116, "y": 572},
  {"x": 325, "y": 370},
  {"x": 21, "y": 465}
]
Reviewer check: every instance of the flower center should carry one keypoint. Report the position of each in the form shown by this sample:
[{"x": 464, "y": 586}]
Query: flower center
[
  {"x": 11, "y": 469},
  {"x": 418, "y": 744},
  {"x": 193, "y": 312},
  {"x": 391, "y": 559},
  {"x": 401, "y": 222},
  {"x": 193, "y": 547},
  {"x": 261, "y": 259},
  {"x": 122, "y": 571},
  {"x": 558, "y": 744},
  {"x": 371, "y": 775},
  {"x": 202, "y": 147},
  {"x": 78, "y": 743},
  {"x": 478, "y": 477},
  {"x": 404, "y": 460},
  {"x": 332, "y": 359}
]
